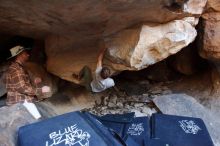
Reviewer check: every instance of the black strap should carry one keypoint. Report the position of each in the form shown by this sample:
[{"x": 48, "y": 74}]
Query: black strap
[{"x": 115, "y": 134}]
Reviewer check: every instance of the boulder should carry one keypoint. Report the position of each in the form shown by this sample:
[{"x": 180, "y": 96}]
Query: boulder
[
  {"x": 71, "y": 30},
  {"x": 13, "y": 117},
  {"x": 65, "y": 56},
  {"x": 194, "y": 6},
  {"x": 138, "y": 48},
  {"x": 130, "y": 49}
]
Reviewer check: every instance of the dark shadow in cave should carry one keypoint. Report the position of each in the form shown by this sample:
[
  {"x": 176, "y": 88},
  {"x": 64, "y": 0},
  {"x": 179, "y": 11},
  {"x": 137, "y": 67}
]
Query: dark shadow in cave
[{"x": 11, "y": 41}]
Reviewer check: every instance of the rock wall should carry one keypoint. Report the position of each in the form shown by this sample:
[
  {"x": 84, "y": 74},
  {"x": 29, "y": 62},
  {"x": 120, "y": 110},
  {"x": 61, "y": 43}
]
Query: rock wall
[
  {"x": 64, "y": 57},
  {"x": 86, "y": 19},
  {"x": 137, "y": 34},
  {"x": 209, "y": 43},
  {"x": 210, "y": 47},
  {"x": 209, "y": 40}
]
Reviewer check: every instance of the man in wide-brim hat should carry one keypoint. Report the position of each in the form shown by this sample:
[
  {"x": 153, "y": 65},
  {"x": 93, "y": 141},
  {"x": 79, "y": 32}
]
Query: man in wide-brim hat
[{"x": 18, "y": 83}]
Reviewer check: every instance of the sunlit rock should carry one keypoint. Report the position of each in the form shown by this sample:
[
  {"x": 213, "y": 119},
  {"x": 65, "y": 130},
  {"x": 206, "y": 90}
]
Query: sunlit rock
[
  {"x": 194, "y": 6},
  {"x": 140, "y": 47}
]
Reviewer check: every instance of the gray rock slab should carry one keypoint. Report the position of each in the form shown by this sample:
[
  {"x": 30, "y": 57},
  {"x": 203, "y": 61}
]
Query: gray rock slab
[
  {"x": 184, "y": 105},
  {"x": 2, "y": 86},
  {"x": 12, "y": 117}
]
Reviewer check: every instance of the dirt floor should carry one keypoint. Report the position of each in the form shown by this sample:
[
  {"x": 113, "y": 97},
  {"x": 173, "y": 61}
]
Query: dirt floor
[{"x": 134, "y": 95}]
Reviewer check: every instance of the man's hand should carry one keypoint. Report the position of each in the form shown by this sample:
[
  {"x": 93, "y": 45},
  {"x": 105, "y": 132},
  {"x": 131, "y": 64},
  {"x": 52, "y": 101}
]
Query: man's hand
[
  {"x": 37, "y": 80},
  {"x": 46, "y": 89}
]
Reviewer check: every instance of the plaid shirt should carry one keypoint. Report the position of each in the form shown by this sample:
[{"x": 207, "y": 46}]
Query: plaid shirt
[{"x": 18, "y": 85}]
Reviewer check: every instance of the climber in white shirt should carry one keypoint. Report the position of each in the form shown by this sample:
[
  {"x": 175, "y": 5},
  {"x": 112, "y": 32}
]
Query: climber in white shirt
[{"x": 101, "y": 80}]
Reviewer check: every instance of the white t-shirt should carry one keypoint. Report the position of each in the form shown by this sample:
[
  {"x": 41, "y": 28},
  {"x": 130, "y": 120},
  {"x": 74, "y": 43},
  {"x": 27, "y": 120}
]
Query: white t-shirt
[{"x": 98, "y": 84}]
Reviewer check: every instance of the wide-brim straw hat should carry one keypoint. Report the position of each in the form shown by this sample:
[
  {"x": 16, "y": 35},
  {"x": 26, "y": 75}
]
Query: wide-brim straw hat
[{"x": 16, "y": 50}]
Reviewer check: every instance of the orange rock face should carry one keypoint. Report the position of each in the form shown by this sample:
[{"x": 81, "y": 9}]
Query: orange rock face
[{"x": 72, "y": 30}]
